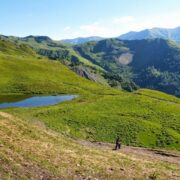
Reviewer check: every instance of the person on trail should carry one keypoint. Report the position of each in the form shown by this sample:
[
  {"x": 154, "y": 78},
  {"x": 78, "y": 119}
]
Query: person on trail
[{"x": 118, "y": 143}]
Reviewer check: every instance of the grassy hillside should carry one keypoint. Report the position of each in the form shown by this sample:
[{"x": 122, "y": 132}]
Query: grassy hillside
[
  {"x": 10, "y": 48},
  {"x": 144, "y": 118},
  {"x": 23, "y": 72},
  {"x": 148, "y": 119},
  {"x": 44, "y": 142},
  {"x": 56, "y": 50},
  {"x": 66, "y": 54},
  {"x": 31, "y": 151},
  {"x": 116, "y": 63},
  {"x": 34, "y": 76}
]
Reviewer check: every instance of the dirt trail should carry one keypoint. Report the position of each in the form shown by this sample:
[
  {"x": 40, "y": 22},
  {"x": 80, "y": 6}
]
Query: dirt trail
[
  {"x": 137, "y": 152},
  {"x": 134, "y": 152}
]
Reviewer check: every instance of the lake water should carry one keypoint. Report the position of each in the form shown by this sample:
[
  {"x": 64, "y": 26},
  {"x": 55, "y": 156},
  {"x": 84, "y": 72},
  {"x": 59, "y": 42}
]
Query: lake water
[{"x": 35, "y": 101}]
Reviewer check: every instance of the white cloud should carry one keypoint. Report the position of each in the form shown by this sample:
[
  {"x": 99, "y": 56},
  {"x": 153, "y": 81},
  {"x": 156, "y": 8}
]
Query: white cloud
[
  {"x": 95, "y": 28},
  {"x": 161, "y": 20},
  {"x": 67, "y": 28},
  {"x": 114, "y": 27},
  {"x": 124, "y": 20}
]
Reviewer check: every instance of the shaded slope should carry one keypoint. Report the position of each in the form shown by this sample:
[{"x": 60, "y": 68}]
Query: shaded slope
[{"x": 149, "y": 63}]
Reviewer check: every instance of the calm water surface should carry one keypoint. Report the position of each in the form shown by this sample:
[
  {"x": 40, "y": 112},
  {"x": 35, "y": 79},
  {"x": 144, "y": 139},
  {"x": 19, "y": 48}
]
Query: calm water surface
[{"x": 33, "y": 101}]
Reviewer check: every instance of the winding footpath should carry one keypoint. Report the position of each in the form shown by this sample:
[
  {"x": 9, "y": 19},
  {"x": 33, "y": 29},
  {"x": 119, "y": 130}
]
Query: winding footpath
[{"x": 133, "y": 152}]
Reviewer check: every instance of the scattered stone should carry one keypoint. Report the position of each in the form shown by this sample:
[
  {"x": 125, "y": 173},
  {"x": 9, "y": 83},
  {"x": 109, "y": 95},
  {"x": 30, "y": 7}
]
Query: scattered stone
[
  {"x": 25, "y": 164},
  {"x": 1, "y": 145}
]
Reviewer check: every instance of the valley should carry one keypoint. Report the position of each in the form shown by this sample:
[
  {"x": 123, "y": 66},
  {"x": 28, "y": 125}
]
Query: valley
[
  {"x": 74, "y": 139},
  {"x": 89, "y": 90}
]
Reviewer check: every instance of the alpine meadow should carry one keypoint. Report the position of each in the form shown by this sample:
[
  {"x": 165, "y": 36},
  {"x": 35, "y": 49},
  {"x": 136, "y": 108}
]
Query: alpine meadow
[{"x": 96, "y": 103}]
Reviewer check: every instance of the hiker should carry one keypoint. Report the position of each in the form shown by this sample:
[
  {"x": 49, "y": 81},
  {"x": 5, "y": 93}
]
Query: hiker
[{"x": 118, "y": 143}]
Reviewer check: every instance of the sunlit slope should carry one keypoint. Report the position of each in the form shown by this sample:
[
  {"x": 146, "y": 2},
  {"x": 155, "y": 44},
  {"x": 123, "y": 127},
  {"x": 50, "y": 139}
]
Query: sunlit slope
[
  {"x": 22, "y": 71},
  {"x": 144, "y": 118},
  {"x": 9, "y": 48},
  {"x": 139, "y": 120},
  {"x": 52, "y": 49},
  {"x": 30, "y": 151}
]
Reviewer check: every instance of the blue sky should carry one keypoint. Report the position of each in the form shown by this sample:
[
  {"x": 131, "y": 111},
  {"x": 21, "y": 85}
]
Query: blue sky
[{"x": 73, "y": 18}]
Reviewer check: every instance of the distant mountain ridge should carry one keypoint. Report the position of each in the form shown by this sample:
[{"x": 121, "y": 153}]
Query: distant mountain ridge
[
  {"x": 170, "y": 34},
  {"x": 163, "y": 33},
  {"x": 81, "y": 40}
]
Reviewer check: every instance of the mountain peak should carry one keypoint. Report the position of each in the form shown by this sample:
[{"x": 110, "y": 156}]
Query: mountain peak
[
  {"x": 38, "y": 38},
  {"x": 164, "y": 33}
]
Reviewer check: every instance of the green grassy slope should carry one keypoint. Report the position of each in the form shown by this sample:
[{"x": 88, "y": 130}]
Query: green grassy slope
[
  {"x": 10, "y": 48},
  {"x": 31, "y": 75},
  {"x": 55, "y": 50},
  {"x": 144, "y": 118},
  {"x": 52, "y": 49},
  {"x": 31, "y": 151},
  {"x": 22, "y": 72},
  {"x": 140, "y": 120}
]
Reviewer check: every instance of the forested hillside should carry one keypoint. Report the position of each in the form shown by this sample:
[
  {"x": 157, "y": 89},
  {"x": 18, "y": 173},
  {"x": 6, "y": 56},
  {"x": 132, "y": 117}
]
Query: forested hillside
[{"x": 153, "y": 64}]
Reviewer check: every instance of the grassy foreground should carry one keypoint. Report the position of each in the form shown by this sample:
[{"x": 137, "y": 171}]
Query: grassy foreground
[
  {"x": 31, "y": 151},
  {"x": 144, "y": 118},
  {"x": 40, "y": 143},
  {"x": 141, "y": 118}
]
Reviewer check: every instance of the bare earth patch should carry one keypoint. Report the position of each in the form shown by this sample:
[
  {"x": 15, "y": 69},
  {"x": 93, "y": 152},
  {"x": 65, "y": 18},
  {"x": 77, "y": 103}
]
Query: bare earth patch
[{"x": 137, "y": 152}]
